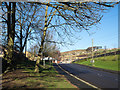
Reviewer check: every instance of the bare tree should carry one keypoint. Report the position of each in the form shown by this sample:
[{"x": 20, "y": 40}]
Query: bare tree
[
  {"x": 10, "y": 21},
  {"x": 67, "y": 18},
  {"x": 25, "y": 17},
  {"x": 29, "y": 18},
  {"x": 49, "y": 48}
]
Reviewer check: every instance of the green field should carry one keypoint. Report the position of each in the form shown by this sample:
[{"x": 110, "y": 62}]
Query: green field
[{"x": 107, "y": 62}]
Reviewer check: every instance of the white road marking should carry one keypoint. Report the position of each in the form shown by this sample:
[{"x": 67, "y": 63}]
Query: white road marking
[{"x": 79, "y": 78}]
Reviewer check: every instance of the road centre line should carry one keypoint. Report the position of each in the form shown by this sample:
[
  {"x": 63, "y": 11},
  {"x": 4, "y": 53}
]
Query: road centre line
[{"x": 79, "y": 78}]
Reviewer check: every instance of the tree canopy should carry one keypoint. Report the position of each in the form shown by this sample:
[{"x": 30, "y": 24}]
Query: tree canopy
[{"x": 24, "y": 21}]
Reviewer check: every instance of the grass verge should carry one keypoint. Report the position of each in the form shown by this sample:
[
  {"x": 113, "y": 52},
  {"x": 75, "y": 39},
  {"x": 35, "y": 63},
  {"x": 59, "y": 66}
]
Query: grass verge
[
  {"x": 25, "y": 77},
  {"x": 108, "y": 62}
]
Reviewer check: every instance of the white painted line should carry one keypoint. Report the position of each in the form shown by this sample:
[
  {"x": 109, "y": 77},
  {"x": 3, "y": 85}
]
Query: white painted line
[{"x": 79, "y": 78}]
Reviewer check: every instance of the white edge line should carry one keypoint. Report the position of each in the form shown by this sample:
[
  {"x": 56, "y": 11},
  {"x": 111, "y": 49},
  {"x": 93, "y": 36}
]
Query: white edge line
[{"x": 79, "y": 78}]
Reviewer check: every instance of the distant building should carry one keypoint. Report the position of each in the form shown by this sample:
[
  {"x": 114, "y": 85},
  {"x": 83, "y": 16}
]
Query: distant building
[
  {"x": 56, "y": 61},
  {"x": 95, "y": 48},
  {"x": 69, "y": 56},
  {"x": 81, "y": 56}
]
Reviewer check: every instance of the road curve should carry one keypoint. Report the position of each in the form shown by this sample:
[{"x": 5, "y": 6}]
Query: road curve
[{"x": 100, "y": 79}]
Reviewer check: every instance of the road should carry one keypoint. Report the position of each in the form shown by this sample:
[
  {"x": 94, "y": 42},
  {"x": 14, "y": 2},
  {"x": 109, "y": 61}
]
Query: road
[{"x": 100, "y": 79}]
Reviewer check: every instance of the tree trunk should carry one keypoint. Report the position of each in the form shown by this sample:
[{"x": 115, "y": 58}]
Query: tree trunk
[
  {"x": 25, "y": 42},
  {"x": 11, "y": 34},
  {"x": 21, "y": 36},
  {"x": 21, "y": 50},
  {"x": 42, "y": 43},
  {"x": 13, "y": 21},
  {"x": 9, "y": 38},
  {"x": 8, "y": 20}
]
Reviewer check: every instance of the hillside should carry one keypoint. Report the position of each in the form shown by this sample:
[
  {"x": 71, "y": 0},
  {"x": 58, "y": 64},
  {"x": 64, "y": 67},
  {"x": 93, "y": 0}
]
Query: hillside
[{"x": 109, "y": 62}]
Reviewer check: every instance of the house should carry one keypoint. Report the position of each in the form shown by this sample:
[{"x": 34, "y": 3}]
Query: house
[
  {"x": 81, "y": 56},
  {"x": 69, "y": 56}
]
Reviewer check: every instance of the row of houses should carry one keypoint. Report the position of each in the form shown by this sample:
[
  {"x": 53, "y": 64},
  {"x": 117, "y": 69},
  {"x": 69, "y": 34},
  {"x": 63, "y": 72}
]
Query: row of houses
[{"x": 70, "y": 56}]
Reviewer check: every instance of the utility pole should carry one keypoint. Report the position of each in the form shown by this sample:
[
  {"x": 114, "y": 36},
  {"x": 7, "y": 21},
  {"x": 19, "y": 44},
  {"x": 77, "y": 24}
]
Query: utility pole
[
  {"x": 92, "y": 49},
  {"x": 92, "y": 53},
  {"x": 105, "y": 52},
  {"x": 69, "y": 58}
]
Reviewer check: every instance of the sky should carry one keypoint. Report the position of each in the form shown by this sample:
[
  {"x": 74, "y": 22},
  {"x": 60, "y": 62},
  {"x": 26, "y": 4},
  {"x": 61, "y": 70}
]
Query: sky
[{"x": 104, "y": 34}]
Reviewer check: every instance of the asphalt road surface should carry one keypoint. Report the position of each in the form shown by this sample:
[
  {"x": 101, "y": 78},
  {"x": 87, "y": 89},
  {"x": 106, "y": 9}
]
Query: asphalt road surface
[{"x": 100, "y": 79}]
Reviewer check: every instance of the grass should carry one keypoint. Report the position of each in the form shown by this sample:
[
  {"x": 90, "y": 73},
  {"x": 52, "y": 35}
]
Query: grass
[
  {"x": 48, "y": 78},
  {"x": 27, "y": 78},
  {"x": 108, "y": 62}
]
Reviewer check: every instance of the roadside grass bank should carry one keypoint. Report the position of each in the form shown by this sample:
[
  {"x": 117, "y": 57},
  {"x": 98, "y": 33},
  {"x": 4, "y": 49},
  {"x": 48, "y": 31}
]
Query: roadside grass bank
[
  {"x": 25, "y": 78},
  {"x": 107, "y": 62}
]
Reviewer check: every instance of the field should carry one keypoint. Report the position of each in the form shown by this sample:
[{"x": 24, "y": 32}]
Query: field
[{"x": 108, "y": 62}]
